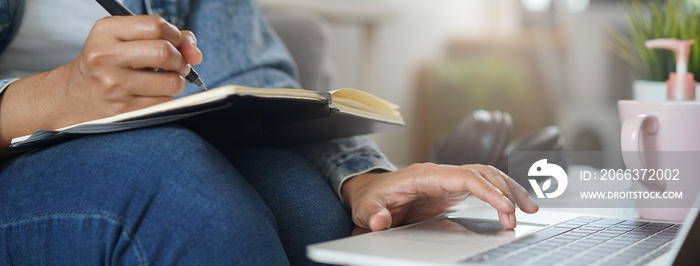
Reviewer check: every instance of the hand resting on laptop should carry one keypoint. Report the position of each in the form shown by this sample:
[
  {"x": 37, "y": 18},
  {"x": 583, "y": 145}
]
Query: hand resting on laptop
[{"x": 382, "y": 200}]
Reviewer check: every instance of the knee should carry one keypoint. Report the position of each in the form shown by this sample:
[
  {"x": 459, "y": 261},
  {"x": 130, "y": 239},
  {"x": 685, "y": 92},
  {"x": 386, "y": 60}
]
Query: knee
[
  {"x": 161, "y": 145},
  {"x": 153, "y": 151},
  {"x": 166, "y": 164}
]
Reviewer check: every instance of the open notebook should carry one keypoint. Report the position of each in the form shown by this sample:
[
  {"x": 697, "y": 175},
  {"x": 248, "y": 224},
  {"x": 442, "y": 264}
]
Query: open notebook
[{"x": 246, "y": 115}]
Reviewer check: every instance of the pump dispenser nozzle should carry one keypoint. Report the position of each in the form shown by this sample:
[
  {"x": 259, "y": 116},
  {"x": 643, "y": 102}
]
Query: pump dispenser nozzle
[{"x": 681, "y": 84}]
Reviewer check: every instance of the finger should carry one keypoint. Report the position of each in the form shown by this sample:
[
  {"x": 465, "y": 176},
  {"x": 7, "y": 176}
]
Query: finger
[
  {"x": 500, "y": 180},
  {"x": 526, "y": 203},
  {"x": 434, "y": 180},
  {"x": 514, "y": 191},
  {"x": 496, "y": 177},
  {"x": 507, "y": 219},
  {"x": 138, "y": 102},
  {"x": 142, "y": 27},
  {"x": 381, "y": 220},
  {"x": 372, "y": 215},
  {"x": 141, "y": 55},
  {"x": 473, "y": 181},
  {"x": 188, "y": 48},
  {"x": 153, "y": 54},
  {"x": 122, "y": 84},
  {"x": 154, "y": 83}
]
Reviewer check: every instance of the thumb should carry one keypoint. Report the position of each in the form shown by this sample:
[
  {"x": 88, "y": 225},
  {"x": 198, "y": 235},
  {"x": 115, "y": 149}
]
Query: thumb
[{"x": 380, "y": 220}]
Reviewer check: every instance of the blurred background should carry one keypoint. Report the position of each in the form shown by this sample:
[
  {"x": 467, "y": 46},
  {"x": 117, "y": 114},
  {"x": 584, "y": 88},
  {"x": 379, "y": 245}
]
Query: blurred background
[{"x": 546, "y": 62}]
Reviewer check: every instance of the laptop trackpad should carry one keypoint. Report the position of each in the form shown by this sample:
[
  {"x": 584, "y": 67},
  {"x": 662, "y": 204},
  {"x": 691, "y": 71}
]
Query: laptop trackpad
[{"x": 460, "y": 230}]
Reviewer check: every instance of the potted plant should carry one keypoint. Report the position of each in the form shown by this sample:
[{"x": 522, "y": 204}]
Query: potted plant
[{"x": 656, "y": 19}]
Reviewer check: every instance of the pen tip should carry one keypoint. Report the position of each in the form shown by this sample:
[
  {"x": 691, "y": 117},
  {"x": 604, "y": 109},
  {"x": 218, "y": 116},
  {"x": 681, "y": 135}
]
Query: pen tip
[
  {"x": 200, "y": 84},
  {"x": 194, "y": 78}
]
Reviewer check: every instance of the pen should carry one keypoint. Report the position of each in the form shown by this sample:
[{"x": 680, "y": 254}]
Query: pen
[{"x": 117, "y": 9}]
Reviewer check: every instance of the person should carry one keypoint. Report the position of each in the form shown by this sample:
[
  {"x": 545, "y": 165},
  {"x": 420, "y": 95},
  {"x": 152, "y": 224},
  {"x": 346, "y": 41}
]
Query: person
[{"x": 163, "y": 194}]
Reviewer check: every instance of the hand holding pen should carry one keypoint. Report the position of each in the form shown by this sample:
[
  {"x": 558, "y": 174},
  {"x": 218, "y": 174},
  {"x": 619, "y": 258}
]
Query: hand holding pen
[
  {"x": 115, "y": 71},
  {"x": 117, "y": 9}
]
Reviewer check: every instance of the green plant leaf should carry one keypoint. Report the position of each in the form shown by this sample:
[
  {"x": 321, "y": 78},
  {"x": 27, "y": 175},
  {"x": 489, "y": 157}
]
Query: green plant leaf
[{"x": 655, "y": 19}]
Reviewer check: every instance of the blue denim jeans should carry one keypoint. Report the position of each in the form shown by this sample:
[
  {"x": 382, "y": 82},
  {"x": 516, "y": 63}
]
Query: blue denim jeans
[{"x": 163, "y": 196}]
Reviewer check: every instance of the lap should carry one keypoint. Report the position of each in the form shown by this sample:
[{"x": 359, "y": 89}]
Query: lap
[
  {"x": 155, "y": 195},
  {"x": 163, "y": 195}
]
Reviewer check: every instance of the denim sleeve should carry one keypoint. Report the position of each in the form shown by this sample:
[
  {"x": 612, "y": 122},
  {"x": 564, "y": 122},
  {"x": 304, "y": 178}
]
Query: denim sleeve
[
  {"x": 338, "y": 160},
  {"x": 4, "y": 83},
  {"x": 239, "y": 47}
]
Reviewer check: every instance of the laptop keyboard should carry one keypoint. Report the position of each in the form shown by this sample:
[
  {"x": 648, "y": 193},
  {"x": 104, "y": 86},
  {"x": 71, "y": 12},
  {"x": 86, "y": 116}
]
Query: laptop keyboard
[{"x": 586, "y": 241}]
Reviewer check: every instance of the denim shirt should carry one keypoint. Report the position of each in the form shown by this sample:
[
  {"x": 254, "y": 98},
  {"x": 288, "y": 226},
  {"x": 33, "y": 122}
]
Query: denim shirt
[{"x": 239, "y": 47}]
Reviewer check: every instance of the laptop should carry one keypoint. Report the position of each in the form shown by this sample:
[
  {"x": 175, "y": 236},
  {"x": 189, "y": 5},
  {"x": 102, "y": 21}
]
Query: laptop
[{"x": 474, "y": 236}]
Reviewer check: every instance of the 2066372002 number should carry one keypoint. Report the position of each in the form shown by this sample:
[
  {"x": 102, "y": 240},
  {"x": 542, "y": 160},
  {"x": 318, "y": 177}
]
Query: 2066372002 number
[{"x": 631, "y": 174}]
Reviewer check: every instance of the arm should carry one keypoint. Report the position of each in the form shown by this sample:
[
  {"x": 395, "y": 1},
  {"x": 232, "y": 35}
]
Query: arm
[
  {"x": 378, "y": 196},
  {"x": 106, "y": 78},
  {"x": 340, "y": 160}
]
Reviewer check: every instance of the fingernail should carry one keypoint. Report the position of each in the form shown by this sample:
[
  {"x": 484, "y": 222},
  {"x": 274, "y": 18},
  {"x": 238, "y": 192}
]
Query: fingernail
[
  {"x": 510, "y": 203},
  {"x": 193, "y": 40},
  {"x": 380, "y": 220},
  {"x": 186, "y": 70},
  {"x": 511, "y": 217}
]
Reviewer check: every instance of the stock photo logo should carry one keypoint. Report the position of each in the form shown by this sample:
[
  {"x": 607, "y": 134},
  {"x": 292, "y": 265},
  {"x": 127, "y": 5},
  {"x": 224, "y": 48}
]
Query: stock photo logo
[{"x": 542, "y": 168}]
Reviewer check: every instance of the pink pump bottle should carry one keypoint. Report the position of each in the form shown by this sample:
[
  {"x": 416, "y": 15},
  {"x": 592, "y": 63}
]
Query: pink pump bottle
[{"x": 680, "y": 85}]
